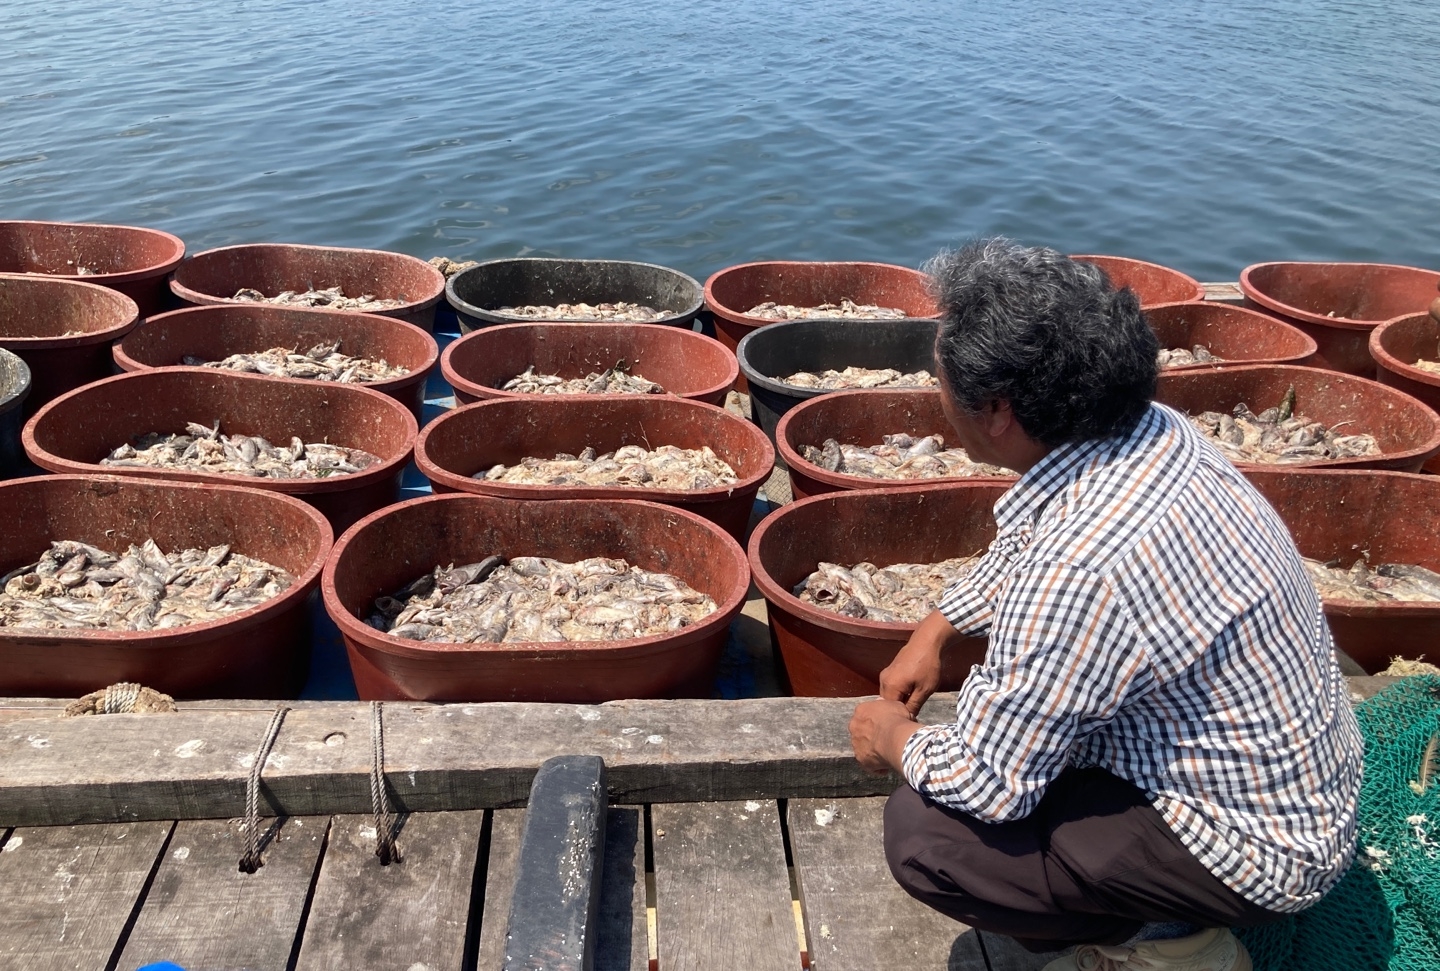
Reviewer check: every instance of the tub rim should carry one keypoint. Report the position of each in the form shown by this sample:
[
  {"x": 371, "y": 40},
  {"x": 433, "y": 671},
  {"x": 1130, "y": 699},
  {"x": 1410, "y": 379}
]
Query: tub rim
[
  {"x": 162, "y": 268},
  {"x": 1295, "y": 313},
  {"x": 114, "y": 332}
]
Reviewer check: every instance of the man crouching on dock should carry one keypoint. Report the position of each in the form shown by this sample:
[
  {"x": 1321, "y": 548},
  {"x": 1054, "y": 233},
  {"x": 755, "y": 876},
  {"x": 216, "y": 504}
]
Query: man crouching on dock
[{"x": 1159, "y": 744}]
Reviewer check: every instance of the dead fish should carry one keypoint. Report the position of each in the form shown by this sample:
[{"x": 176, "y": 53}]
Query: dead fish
[
  {"x": 1180, "y": 357},
  {"x": 1395, "y": 582},
  {"x": 204, "y": 449},
  {"x": 860, "y": 377},
  {"x": 846, "y": 308},
  {"x": 619, "y": 310},
  {"x": 450, "y": 267},
  {"x": 143, "y": 589},
  {"x": 1279, "y": 435},
  {"x": 331, "y": 298},
  {"x": 665, "y": 467},
  {"x": 323, "y": 362},
  {"x": 899, "y": 456},
  {"x": 615, "y": 380},
  {"x": 902, "y": 593},
  {"x": 538, "y": 599}
]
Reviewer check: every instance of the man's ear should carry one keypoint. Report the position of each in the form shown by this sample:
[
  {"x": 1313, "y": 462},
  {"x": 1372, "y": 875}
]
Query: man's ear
[{"x": 997, "y": 418}]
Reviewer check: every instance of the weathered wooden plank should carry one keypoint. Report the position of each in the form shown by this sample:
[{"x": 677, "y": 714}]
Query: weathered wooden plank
[
  {"x": 556, "y": 899},
  {"x": 856, "y": 916},
  {"x": 622, "y": 941},
  {"x": 411, "y": 915},
  {"x": 66, "y": 893},
  {"x": 722, "y": 892},
  {"x": 505, "y": 828},
  {"x": 202, "y": 912},
  {"x": 1223, "y": 292}
]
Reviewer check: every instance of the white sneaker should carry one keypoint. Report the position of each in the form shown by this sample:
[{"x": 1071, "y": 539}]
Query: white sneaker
[{"x": 1215, "y": 949}]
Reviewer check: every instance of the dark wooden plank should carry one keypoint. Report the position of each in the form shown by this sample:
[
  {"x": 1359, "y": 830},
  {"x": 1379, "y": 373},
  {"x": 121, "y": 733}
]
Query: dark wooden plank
[
  {"x": 505, "y": 829},
  {"x": 409, "y": 915},
  {"x": 623, "y": 939},
  {"x": 556, "y": 899},
  {"x": 66, "y": 893},
  {"x": 856, "y": 916},
  {"x": 722, "y": 892},
  {"x": 202, "y": 912}
]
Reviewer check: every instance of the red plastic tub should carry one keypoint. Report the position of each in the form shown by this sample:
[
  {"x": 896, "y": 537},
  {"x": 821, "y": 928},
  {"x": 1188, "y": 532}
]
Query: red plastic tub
[
  {"x": 214, "y": 276},
  {"x": 62, "y": 329},
  {"x": 258, "y": 653},
  {"x": 389, "y": 549},
  {"x": 1234, "y": 334},
  {"x": 1392, "y": 518},
  {"x": 1339, "y": 304},
  {"x": 734, "y": 290},
  {"x": 214, "y": 333},
  {"x": 476, "y": 437},
  {"x": 830, "y": 655},
  {"x": 684, "y": 363},
  {"x": 861, "y": 418},
  {"x": 1153, "y": 284},
  {"x": 75, "y": 431},
  {"x": 135, "y": 261},
  {"x": 1396, "y": 345},
  {"x": 1407, "y": 431}
]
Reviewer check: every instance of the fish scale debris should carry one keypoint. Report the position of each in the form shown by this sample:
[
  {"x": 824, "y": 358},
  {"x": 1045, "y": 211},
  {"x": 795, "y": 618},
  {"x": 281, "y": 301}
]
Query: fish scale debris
[
  {"x": 619, "y": 310},
  {"x": 860, "y": 377},
  {"x": 615, "y": 380},
  {"x": 323, "y": 362},
  {"x": 331, "y": 298},
  {"x": 902, "y": 593},
  {"x": 1180, "y": 357},
  {"x": 204, "y": 449},
  {"x": 76, "y": 586},
  {"x": 1396, "y": 582},
  {"x": 846, "y": 308},
  {"x": 1279, "y": 435},
  {"x": 900, "y": 456},
  {"x": 534, "y": 598},
  {"x": 665, "y": 467}
]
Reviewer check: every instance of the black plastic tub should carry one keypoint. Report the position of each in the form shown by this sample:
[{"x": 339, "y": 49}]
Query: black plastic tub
[
  {"x": 782, "y": 348},
  {"x": 478, "y": 292},
  {"x": 14, "y": 386}
]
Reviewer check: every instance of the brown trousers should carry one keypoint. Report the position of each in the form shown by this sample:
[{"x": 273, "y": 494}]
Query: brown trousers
[{"x": 1090, "y": 865}]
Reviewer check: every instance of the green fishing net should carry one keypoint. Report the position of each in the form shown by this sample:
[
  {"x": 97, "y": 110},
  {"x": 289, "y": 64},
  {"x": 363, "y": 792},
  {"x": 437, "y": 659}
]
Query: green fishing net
[{"x": 1384, "y": 915}]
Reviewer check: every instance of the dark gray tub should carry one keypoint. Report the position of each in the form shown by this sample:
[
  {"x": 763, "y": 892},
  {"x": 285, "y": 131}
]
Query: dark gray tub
[
  {"x": 478, "y": 292},
  {"x": 14, "y": 388}
]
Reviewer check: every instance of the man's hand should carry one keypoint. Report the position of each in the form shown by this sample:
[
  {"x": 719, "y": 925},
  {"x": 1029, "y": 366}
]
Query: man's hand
[
  {"x": 914, "y": 674},
  {"x": 879, "y": 730}
]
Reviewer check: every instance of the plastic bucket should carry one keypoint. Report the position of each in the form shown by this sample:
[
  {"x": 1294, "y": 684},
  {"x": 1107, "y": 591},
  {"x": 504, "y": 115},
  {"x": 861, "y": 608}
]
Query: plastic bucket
[
  {"x": 476, "y": 437},
  {"x": 1233, "y": 334},
  {"x": 1396, "y": 345},
  {"x": 75, "y": 431},
  {"x": 684, "y": 363},
  {"x": 1339, "y": 304},
  {"x": 62, "y": 329},
  {"x": 135, "y": 261},
  {"x": 258, "y": 653},
  {"x": 1407, "y": 431},
  {"x": 735, "y": 290},
  {"x": 14, "y": 386},
  {"x": 530, "y": 281},
  {"x": 1152, "y": 283},
  {"x": 830, "y": 655},
  {"x": 214, "y": 333},
  {"x": 389, "y": 549},
  {"x": 215, "y": 276}
]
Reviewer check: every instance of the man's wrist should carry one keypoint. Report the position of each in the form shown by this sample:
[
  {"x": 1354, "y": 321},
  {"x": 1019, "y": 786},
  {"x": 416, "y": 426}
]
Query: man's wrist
[{"x": 896, "y": 734}]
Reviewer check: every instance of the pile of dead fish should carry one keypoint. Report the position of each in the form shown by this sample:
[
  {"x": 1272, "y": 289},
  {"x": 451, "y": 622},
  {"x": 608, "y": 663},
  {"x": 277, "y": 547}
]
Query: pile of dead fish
[
  {"x": 1433, "y": 367},
  {"x": 902, "y": 593},
  {"x": 204, "y": 449},
  {"x": 829, "y": 311},
  {"x": 533, "y": 598},
  {"x": 449, "y": 267},
  {"x": 330, "y": 299},
  {"x": 75, "y": 586},
  {"x": 1400, "y": 582},
  {"x": 1279, "y": 436},
  {"x": 900, "y": 456},
  {"x": 620, "y": 310},
  {"x": 614, "y": 380},
  {"x": 860, "y": 377},
  {"x": 666, "y": 467},
  {"x": 1179, "y": 357},
  {"x": 323, "y": 362}
]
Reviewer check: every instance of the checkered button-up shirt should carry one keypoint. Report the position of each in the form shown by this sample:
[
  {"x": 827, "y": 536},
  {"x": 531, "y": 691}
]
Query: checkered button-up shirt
[{"x": 1148, "y": 613}]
